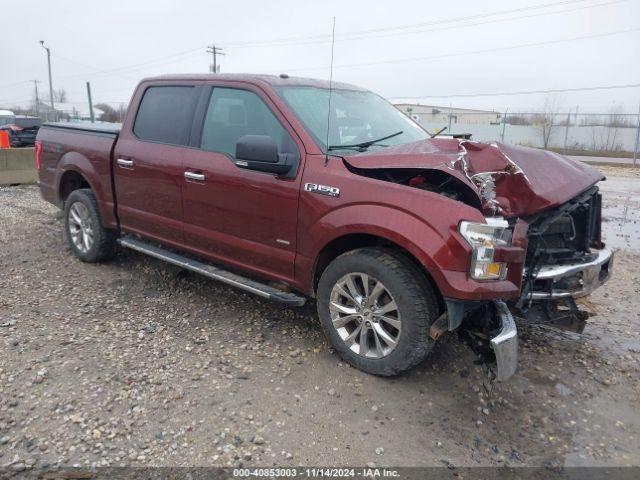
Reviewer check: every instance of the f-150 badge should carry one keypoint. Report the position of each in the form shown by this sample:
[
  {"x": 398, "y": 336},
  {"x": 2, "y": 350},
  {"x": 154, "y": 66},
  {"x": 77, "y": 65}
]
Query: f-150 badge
[{"x": 322, "y": 189}]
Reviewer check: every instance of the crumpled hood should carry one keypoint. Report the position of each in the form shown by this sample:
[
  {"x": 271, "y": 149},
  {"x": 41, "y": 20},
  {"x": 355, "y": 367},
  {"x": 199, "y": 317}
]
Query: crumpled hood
[{"x": 509, "y": 180}]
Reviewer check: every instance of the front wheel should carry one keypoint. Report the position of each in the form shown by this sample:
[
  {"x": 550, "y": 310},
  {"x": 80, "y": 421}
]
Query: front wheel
[
  {"x": 376, "y": 308},
  {"x": 88, "y": 239}
]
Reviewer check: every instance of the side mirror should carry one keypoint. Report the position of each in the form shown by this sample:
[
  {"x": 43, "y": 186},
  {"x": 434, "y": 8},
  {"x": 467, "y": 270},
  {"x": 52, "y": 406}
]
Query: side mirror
[{"x": 260, "y": 152}]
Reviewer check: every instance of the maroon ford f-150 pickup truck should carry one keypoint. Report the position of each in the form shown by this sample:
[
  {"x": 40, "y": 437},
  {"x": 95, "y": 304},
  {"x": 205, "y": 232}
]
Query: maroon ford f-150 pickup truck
[{"x": 289, "y": 189}]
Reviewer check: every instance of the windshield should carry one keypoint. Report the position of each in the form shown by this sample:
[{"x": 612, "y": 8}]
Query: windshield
[{"x": 357, "y": 117}]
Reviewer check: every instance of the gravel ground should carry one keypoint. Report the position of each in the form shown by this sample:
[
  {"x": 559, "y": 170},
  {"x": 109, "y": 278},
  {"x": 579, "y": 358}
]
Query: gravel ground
[{"x": 135, "y": 362}]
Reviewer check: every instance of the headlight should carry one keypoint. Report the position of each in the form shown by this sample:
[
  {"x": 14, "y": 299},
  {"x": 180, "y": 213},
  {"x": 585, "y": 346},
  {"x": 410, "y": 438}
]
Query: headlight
[{"x": 483, "y": 238}]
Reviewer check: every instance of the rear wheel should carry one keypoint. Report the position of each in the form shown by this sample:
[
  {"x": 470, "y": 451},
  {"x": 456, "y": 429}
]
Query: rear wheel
[
  {"x": 376, "y": 308},
  {"x": 88, "y": 239}
]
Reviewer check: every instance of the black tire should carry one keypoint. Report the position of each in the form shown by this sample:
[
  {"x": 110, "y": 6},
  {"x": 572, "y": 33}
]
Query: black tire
[
  {"x": 413, "y": 294},
  {"x": 104, "y": 243}
]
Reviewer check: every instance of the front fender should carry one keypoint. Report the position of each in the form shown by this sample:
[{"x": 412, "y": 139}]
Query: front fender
[
  {"x": 438, "y": 248},
  {"x": 432, "y": 247}
]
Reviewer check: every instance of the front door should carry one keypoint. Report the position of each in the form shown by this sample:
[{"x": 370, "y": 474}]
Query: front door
[
  {"x": 148, "y": 163},
  {"x": 242, "y": 217}
]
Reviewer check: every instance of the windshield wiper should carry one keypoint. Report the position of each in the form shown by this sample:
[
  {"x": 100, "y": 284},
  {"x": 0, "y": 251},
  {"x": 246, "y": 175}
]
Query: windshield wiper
[{"x": 364, "y": 145}]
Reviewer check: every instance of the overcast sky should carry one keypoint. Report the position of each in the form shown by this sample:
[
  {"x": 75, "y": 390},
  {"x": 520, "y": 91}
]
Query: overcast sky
[{"x": 398, "y": 48}]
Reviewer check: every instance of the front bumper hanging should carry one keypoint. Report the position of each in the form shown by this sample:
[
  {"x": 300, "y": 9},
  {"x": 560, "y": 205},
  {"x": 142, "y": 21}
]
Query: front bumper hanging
[{"x": 505, "y": 343}]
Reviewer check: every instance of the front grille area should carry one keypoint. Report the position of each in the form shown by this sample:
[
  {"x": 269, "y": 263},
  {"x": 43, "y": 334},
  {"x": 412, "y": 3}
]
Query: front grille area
[
  {"x": 565, "y": 260},
  {"x": 567, "y": 232}
]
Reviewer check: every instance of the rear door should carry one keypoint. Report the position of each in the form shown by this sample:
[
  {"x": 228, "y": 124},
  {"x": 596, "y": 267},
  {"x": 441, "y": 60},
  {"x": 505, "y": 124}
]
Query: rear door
[
  {"x": 242, "y": 217},
  {"x": 148, "y": 161}
]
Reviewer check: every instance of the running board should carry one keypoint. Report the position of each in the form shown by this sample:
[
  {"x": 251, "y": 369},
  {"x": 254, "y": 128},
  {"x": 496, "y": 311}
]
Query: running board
[{"x": 257, "y": 288}]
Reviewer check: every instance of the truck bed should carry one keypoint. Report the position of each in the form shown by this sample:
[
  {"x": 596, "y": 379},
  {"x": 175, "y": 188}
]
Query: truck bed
[
  {"x": 100, "y": 128},
  {"x": 82, "y": 153}
]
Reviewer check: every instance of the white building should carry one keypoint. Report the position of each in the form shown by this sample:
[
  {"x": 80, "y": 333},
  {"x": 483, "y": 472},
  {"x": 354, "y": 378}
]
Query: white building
[
  {"x": 73, "y": 112},
  {"x": 77, "y": 111},
  {"x": 430, "y": 114}
]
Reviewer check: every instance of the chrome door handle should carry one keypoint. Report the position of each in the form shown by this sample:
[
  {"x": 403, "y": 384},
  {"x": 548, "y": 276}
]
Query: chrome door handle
[
  {"x": 198, "y": 177},
  {"x": 124, "y": 163}
]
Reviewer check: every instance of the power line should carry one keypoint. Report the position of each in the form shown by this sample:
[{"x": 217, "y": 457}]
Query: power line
[
  {"x": 364, "y": 34},
  {"x": 528, "y": 92},
  {"x": 346, "y": 35},
  {"x": 470, "y": 17},
  {"x": 6, "y": 85},
  {"x": 469, "y": 52},
  {"x": 403, "y": 27},
  {"x": 498, "y": 20},
  {"x": 138, "y": 66},
  {"x": 296, "y": 40},
  {"x": 354, "y": 35},
  {"x": 91, "y": 67},
  {"x": 190, "y": 53}
]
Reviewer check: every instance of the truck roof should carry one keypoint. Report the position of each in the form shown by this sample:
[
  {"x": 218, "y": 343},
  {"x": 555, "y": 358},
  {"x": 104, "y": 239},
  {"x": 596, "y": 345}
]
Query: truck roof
[{"x": 272, "y": 80}]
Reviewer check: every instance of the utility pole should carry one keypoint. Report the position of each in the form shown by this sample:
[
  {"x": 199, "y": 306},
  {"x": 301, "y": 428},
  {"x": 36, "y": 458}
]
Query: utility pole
[
  {"x": 93, "y": 118},
  {"x": 35, "y": 84},
  {"x": 214, "y": 51},
  {"x": 566, "y": 132},
  {"x": 504, "y": 124},
  {"x": 53, "y": 108}
]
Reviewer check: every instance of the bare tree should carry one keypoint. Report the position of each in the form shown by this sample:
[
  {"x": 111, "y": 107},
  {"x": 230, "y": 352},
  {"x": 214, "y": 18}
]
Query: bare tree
[
  {"x": 604, "y": 135},
  {"x": 60, "y": 95},
  {"x": 617, "y": 119},
  {"x": 517, "y": 119},
  {"x": 122, "y": 110},
  {"x": 546, "y": 119}
]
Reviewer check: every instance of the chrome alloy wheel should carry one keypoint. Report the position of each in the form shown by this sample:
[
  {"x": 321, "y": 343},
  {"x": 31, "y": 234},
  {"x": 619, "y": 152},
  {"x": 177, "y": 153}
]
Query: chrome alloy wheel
[
  {"x": 80, "y": 227},
  {"x": 365, "y": 315}
]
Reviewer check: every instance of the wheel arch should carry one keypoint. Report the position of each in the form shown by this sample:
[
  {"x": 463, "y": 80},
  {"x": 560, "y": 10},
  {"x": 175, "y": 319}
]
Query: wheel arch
[
  {"x": 353, "y": 241},
  {"x": 76, "y": 171},
  {"x": 71, "y": 180}
]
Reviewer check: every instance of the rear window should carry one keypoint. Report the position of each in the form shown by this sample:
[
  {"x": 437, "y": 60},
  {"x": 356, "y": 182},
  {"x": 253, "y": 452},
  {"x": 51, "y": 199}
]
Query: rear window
[
  {"x": 28, "y": 122},
  {"x": 165, "y": 115}
]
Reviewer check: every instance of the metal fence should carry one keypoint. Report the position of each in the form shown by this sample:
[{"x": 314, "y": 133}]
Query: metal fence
[{"x": 593, "y": 134}]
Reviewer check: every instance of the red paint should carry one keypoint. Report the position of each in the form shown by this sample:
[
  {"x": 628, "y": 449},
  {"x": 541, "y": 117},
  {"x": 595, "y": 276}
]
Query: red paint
[
  {"x": 273, "y": 228},
  {"x": 540, "y": 179}
]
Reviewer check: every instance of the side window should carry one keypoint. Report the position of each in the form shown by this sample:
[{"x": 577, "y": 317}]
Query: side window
[
  {"x": 165, "y": 115},
  {"x": 233, "y": 113}
]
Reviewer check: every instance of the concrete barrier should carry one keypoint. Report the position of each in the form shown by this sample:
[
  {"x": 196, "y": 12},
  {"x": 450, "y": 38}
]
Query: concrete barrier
[{"x": 17, "y": 165}]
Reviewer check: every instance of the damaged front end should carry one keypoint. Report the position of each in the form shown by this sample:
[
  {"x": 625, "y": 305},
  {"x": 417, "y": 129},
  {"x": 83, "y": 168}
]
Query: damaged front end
[
  {"x": 566, "y": 260},
  {"x": 565, "y": 257},
  {"x": 541, "y": 232}
]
